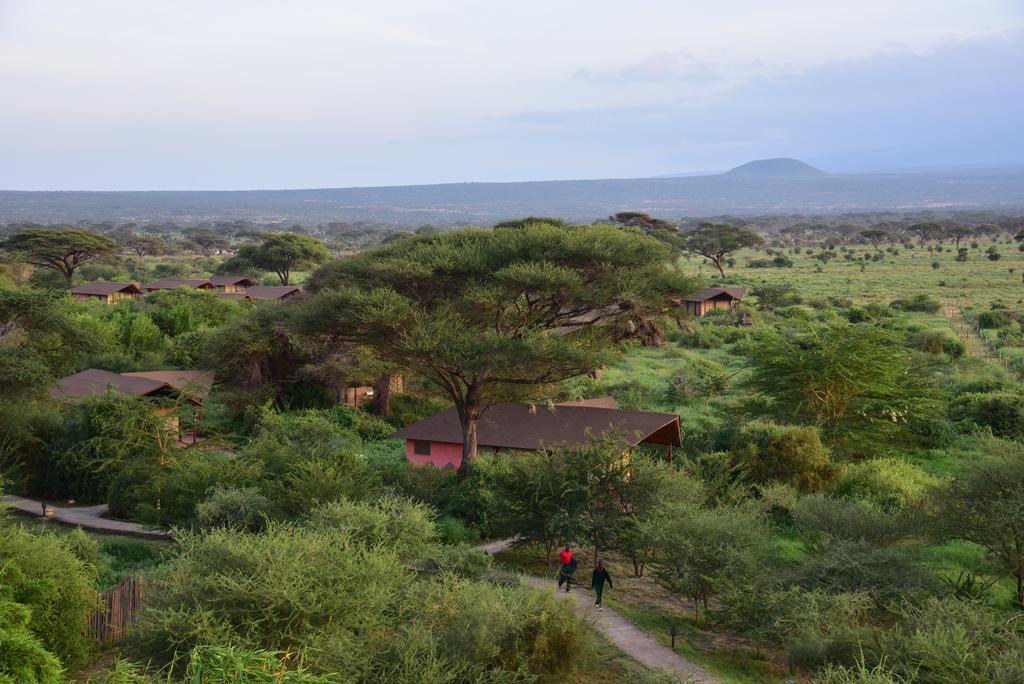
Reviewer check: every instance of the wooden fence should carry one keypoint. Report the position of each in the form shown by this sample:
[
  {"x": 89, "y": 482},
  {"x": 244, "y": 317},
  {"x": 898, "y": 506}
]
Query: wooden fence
[{"x": 119, "y": 608}]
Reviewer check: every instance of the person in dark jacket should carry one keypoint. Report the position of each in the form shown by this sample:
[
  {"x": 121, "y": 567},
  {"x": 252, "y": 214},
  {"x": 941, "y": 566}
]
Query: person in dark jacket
[{"x": 597, "y": 580}]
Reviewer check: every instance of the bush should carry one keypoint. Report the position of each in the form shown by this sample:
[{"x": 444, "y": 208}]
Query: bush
[
  {"x": 994, "y": 319},
  {"x": 784, "y": 453},
  {"x": 23, "y": 659},
  {"x": 884, "y": 573},
  {"x": 891, "y": 484},
  {"x": 848, "y": 519},
  {"x": 405, "y": 527},
  {"x": 1001, "y": 411},
  {"x": 452, "y": 530},
  {"x": 922, "y": 303},
  {"x": 353, "y": 608},
  {"x": 240, "y": 508},
  {"x": 948, "y": 640},
  {"x": 696, "y": 377},
  {"x": 43, "y": 573}
]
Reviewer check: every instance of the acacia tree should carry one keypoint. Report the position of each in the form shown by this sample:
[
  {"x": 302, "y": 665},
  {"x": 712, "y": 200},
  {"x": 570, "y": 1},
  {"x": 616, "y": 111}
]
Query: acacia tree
[
  {"x": 984, "y": 504},
  {"x": 716, "y": 241},
  {"x": 927, "y": 230},
  {"x": 958, "y": 233},
  {"x": 840, "y": 377},
  {"x": 491, "y": 315},
  {"x": 146, "y": 244},
  {"x": 876, "y": 236},
  {"x": 61, "y": 251},
  {"x": 282, "y": 253}
]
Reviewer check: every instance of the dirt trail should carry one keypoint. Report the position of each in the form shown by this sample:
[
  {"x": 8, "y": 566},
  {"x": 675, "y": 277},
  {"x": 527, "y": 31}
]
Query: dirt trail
[{"x": 626, "y": 636}]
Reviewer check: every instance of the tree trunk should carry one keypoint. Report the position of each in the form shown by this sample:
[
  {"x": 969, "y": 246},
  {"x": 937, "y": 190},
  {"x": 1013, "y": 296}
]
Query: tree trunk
[
  {"x": 469, "y": 447},
  {"x": 1020, "y": 588},
  {"x": 469, "y": 413},
  {"x": 548, "y": 546},
  {"x": 382, "y": 395},
  {"x": 718, "y": 264}
]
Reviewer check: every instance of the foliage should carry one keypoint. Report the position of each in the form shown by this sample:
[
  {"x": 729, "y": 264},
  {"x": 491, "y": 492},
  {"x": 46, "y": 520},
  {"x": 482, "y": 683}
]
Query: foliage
[
  {"x": 840, "y": 377},
  {"x": 42, "y": 573},
  {"x": 281, "y": 253},
  {"x": 885, "y": 573},
  {"x": 1002, "y": 411},
  {"x": 948, "y": 640},
  {"x": 920, "y": 302},
  {"x": 62, "y": 251},
  {"x": 305, "y": 459},
  {"x": 853, "y": 520},
  {"x": 351, "y": 607},
  {"x": 715, "y": 241},
  {"x": 471, "y": 311},
  {"x": 405, "y": 527},
  {"x": 227, "y": 665},
  {"x": 784, "y": 453},
  {"x": 696, "y": 378},
  {"x": 984, "y": 504},
  {"x": 696, "y": 548},
  {"x": 23, "y": 658},
  {"x": 891, "y": 484},
  {"x": 237, "y": 508}
]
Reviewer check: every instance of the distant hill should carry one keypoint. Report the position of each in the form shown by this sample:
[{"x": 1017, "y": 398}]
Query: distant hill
[
  {"x": 762, "y": 187},
  {"x": 781, "y": 167}
]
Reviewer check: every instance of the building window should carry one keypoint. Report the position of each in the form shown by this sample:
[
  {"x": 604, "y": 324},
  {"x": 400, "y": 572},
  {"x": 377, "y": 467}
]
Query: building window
[{"x": 421, "y": 448}]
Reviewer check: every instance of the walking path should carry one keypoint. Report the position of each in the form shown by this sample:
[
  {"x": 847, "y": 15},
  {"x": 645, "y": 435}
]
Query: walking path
[
  {"x": 629, "y": 638},
  {"x": 86, "y": 517}
]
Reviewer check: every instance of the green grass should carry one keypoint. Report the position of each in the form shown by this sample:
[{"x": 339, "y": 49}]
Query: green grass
[{"x": 732, "y": 665}]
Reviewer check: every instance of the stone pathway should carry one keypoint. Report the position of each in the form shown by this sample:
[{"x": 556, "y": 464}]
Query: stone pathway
[
  {"x": 86, "y": 517},
  {"x": 626, "y": 636}
]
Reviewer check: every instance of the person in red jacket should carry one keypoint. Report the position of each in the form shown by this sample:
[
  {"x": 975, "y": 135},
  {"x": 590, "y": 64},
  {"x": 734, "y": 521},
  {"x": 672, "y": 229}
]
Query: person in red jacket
[{"x": 566, "y": 567}]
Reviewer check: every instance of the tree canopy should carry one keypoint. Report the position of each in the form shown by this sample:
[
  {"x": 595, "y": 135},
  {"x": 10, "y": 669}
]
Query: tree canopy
[
  {"x": 61, "y": 251},
  {"x": 715, "y": 241},
  {"x": 281, "y": 253},
  {"x": 491, "y": 315}
]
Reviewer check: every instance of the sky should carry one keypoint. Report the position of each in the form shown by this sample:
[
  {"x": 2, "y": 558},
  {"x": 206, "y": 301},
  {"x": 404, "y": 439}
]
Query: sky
[{"x": 251, "y": 94}]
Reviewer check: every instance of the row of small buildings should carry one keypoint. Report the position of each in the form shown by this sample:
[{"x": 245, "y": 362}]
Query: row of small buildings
[{"x": 226, "y": 287}]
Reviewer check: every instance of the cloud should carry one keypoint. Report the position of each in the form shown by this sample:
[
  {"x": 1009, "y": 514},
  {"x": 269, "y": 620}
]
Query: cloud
[{"x": 659, "y": 67}]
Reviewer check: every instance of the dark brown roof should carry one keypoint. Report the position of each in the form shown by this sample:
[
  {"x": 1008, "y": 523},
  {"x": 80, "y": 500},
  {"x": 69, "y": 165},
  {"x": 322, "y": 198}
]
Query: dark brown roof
[
  {"x": 105, "y": 288},
  {"x": 94, "y": 381},
  {"x": 271, "y": 291},
  {"x": 221, "y": 281},
  {"x": 194, "y": 383},
  {"x": 710, "y": 292},
  {"x": 517, "y": 426},
  {"x": 230, "y": 295},
  {"x": 171, "y": 283}
]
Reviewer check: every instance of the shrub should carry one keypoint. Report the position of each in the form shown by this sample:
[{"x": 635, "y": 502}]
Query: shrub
[
  {"x": 883, "y": 573},
  {"x": 353, "y": 608},
  {"x": 240, "y": 508},
  {"x": 23, "y": 659},
  {"x": 848, "y": 519},
  {"x": 56, "y": 586},
  {"x": 696, "y": 377},
  {"x": 994, "y": 319},
  {"x": 922, "y": 303},
  {"x": 405, "y": 527},
  {"x": 452, "y": 530},
  {"x": 774, "y": 296},
  {"x": 948, "y": 640},
  {"x": 891, "y": 484},
  {"x": 784, "y": 453},
  {"x": 1002, "y": 411}
]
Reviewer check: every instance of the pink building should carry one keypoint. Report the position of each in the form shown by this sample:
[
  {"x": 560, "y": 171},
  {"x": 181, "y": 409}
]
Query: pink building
[{"x": 438, "y": 440}]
